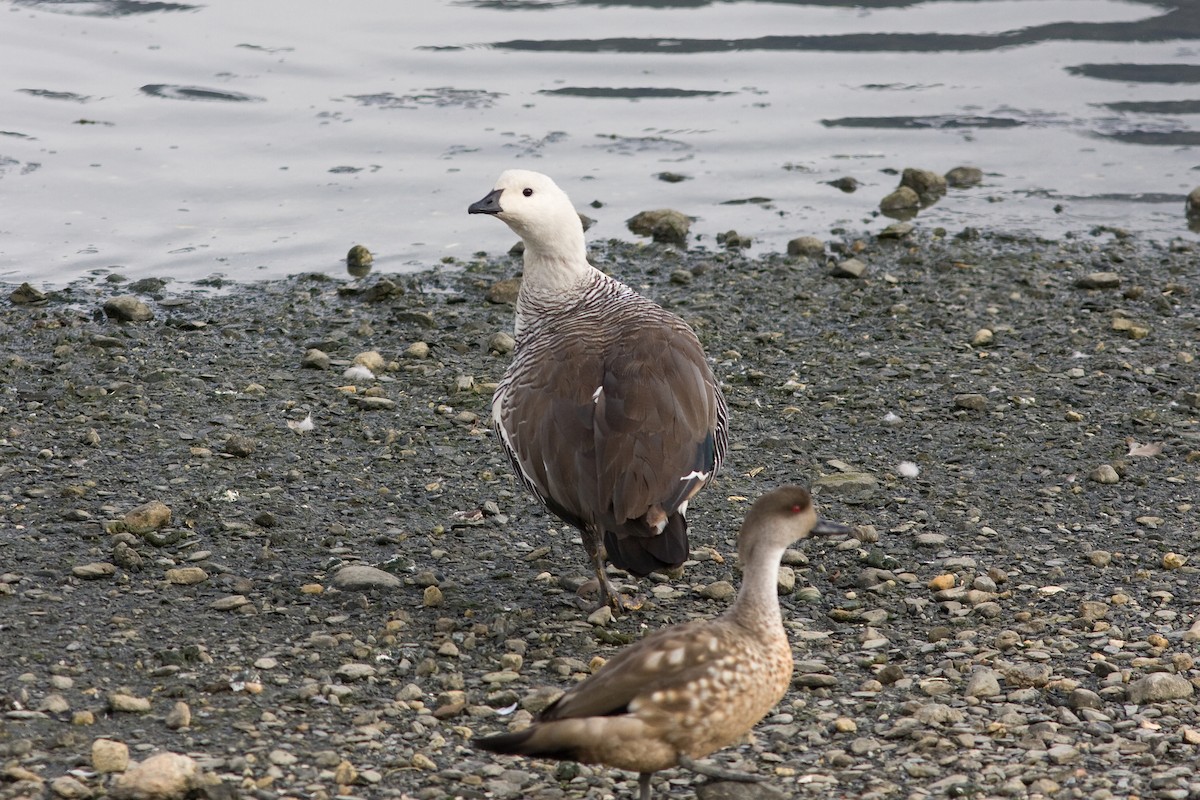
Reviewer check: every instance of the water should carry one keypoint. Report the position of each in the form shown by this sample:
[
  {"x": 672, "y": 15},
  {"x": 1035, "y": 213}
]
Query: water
[{"x": 256, "y": 140}]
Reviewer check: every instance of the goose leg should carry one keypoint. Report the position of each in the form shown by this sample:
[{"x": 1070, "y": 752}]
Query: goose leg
[
  {"x": 609, "y": 596},
  {"x": 719, "y": 773}
]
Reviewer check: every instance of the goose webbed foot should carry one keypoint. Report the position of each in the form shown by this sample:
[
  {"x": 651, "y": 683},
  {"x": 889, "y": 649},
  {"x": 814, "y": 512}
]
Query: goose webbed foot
[
  {"x": 597, "y": 595},
  {"x": 609, "y": 596}
]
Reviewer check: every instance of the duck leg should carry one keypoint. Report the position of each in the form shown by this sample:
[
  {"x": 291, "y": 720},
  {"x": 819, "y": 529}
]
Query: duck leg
[
  {"x": 718, "y": 773},
  {"x": 644, "y": 785}
]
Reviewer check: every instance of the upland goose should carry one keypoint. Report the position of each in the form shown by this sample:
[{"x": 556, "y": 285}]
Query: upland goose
[
  {"x": 686, "y": 691},
  {"x": 609, "y": 412}
]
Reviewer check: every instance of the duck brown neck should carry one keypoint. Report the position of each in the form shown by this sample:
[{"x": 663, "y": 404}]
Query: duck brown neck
[{"x": 757, "y": 603}]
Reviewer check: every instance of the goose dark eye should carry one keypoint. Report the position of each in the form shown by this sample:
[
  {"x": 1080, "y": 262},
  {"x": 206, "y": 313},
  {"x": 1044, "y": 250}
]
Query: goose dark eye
[{"x": 528, "y": 192}]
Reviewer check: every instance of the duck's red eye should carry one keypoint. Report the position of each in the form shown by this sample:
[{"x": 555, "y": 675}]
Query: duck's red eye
[
  {"x": 797, "y": 508},
  {"x": 528, "y": 192}
]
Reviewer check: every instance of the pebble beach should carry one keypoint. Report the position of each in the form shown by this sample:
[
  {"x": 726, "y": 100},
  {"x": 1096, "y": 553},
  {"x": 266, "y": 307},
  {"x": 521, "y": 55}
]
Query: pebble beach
[{"x": 260, "y": 537}]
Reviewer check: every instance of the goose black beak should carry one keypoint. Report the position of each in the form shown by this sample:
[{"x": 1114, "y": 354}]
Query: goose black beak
[
  {"x": 826, "y": 528},
  {"x": 488, "y": 205}
]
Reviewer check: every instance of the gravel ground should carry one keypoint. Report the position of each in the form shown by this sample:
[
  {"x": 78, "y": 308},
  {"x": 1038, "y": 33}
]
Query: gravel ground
[{"x": 335, "y": 612}]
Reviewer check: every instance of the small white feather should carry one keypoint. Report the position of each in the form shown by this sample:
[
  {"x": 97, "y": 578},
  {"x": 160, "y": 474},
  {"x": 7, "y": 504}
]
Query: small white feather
[
  {"x": 301, "y": 426},
  {"x": 358, "y": 372}
]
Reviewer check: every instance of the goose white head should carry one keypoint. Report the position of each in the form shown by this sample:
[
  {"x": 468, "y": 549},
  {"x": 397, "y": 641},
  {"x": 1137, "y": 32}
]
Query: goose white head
[{"x": 541, "y": 214}]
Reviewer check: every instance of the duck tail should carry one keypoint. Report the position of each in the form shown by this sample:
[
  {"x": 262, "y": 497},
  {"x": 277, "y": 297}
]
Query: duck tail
[{"x": 523, "y": 743}]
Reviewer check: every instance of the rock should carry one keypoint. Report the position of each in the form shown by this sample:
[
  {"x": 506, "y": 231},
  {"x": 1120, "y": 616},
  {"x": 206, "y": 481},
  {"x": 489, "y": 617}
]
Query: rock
[
  {"x": 1105, "y": 473},
  {"x": 971, "y": 402},
  {"x": 664, "y": 225},
  {"x": 26, "y": 294},
  {"x": 355, "y": 671},
  {"x": 315, "y": 359},
  {"x": 186, "y": 576},
  {"x": 54, "y": 703},
  {"x": 982, "y": 683},
  {"x": 502, "y": 343},
  {"x": 417, "y": 350},
  {"x": 786, "y": 584},
  {"x": 361, "y": 576},
  {"x": 164, "y": 776},
  {"x": 601, "y": 617},
  {"x": 1063, "y": 754},
  {"x": 897, "y": 230},
  {"x": 732, "y": 241},
  {"x": 229, "y": 602},
  {"x": 1192, "y": 204},
  {"x": 719, "y": 590},
  {"x": 1085, "y": 698},
  {"x": 964, "y": 177},
  {"x": 128, "y": 308},
  {"x": 94, "y": 571},
  {"x": 928, "y": 185},
  {"x": 109, "y": 756},
  {"x": 809, "y": 246},
  {"x": 504, "y": 292},
  {"x": 345, "y": 773},
  {"x": 850, "y": 487},
  {"x": 902, "y": 199},
  {"x": 372, "y": 360},
  {"x": 937, "y": 714},
  {"x": 422, "y": 761},
  {"x": 240, "y": 446},
  {"x": 69, "y": 788},
  {"x": 281, "y": 758},
  {"x": 432, "y": 597},
  {"x": 147, "y": 517},
  {"x": 1099, "y": 280},
  {"x": 180, "y": 716},
  {"x": 1158, "y": 687},
  {"x": 850, "y": 268},
  {"x": 370, "y": 403},
  {"x": 982, "y": 337},
  {"x": 1024, "y": 676},
  {"x": 846, "y": 183},
  {"x": 737, "y": 790},
  {"x": 672, "y": 177},
  {"x": 1134, "y": 330},
  {"x": 119, "y": 701},
  {"x": 382, "y": 289},
  {"x": 358, "y": 261},
  {"x": 940, "y": 583}
]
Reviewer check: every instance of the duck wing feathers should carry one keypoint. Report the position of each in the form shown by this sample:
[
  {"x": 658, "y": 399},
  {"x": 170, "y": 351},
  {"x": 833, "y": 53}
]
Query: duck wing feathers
[{"x": 669, "y": 659}]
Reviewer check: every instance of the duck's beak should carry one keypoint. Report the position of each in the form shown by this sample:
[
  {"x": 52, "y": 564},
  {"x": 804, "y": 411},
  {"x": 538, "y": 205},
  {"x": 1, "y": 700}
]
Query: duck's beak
[
  {"x": 826, "y": 528},
  {"x": 488, "y": 205}
]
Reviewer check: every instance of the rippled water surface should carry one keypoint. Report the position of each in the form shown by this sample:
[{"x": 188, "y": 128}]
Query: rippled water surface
[{"x": 259, "y": 139}]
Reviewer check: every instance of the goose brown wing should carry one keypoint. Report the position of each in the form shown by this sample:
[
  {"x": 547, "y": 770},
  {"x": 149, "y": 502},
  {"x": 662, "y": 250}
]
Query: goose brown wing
[
  {"x": 656, "y": 420},
  {"x": 602, "y": 432}
]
